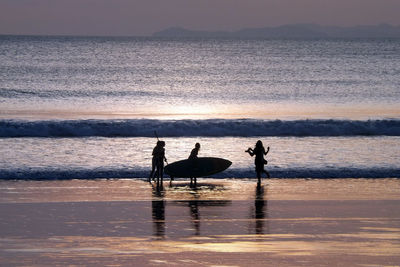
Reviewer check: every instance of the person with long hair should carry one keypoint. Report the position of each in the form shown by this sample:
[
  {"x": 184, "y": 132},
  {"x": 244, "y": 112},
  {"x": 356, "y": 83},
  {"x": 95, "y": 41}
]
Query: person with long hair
[{"x": 259, "y": 151}]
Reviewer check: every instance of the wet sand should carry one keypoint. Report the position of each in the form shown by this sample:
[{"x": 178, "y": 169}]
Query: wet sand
[{"x": 229, "y": 222}]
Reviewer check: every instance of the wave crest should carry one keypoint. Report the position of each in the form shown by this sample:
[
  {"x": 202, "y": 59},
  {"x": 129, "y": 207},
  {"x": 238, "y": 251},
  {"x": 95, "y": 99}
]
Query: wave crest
[{"x": 194, "y": 128}]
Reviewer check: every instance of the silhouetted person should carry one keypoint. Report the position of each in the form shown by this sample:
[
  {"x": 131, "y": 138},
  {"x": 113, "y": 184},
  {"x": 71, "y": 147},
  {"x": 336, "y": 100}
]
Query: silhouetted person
[
  {"x": 153, "y": 161},
  {"x": 259, "y": 152},
  {"x": 195, "y": 151},
  {"x": 193, "y": 158},
  {"x": 158, "y": 161}
]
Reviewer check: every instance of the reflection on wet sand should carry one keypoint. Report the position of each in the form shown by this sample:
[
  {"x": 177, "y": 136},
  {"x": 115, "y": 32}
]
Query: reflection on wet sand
[
  {"x": 158, "y": 212},
  {"x": 311, "y": 232},
  {"x": 260, "y": 213},
  {"x": 221, "y": 222},
  {"x": 195, "y": 216},
  {"x": 194, "y": 203}
]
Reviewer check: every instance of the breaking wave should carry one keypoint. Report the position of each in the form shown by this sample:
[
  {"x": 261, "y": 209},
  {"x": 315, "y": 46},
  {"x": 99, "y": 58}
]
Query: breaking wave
[
  {"x": 189, "y": 128},
  {"x": 324, "y": 173}
]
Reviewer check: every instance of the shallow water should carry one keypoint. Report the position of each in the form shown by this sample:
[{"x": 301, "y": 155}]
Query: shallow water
[{"x": 97, "y": 157}]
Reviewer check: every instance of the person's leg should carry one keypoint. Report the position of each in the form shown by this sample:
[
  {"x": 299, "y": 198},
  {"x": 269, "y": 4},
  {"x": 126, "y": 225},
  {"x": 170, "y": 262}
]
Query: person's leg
[
  {"x": 153, "y": 168},
  {"x": 162, "y": 173},
  {"x": 157, "y": 174}
]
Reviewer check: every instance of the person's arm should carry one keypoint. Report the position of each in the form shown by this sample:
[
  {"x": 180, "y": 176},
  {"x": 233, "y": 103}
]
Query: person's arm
[
  {"x": 250, "y": 151},
  {"x": 162, "y": 156},
  {"x": 265, "y": 153}
]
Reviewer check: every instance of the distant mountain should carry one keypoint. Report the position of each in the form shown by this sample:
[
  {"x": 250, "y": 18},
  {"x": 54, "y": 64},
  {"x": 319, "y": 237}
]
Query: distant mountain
[
  {"x": 292, "y": 31},
  {"x": 182, "y": 32}
]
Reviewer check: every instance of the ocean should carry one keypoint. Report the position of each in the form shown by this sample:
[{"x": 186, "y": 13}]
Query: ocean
[
  {"x": 89, "y": 107},
  {"x": 78, "y": 123}
]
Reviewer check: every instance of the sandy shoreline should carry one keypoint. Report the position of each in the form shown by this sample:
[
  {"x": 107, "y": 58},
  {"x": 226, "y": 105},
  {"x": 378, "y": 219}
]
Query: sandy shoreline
[{"x": 286, "y": 222}]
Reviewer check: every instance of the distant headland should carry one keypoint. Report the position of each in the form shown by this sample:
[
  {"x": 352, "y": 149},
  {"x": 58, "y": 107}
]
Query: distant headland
[{"x": 290, "y": 31}]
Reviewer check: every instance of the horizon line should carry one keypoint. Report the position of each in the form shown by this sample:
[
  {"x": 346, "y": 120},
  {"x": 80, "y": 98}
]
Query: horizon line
[{"x": 189, "y": 29}]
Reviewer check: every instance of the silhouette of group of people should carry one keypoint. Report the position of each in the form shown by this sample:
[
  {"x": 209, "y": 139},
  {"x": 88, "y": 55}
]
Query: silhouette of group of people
[{"x": 157, "y": 164}]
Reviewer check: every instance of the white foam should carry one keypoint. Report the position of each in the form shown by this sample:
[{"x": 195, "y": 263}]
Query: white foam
[{"x": 190, "y": 128}]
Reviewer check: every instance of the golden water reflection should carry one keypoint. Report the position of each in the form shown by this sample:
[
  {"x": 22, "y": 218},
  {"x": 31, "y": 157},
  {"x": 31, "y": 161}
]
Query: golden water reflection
[
  {"x": 258, "y": 213},
  {"x": 207, "y": 189},
  {"x": 221, "y": 222}
]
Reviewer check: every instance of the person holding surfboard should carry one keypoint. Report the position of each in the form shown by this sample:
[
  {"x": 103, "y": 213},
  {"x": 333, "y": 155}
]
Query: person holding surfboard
[
  {"x": 157, "y": 166},
  {"x": 259, "y": 152},
  {"x": 195, "y": 151}
]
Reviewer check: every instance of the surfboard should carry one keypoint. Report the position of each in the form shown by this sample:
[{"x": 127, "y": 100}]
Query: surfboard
[{"x": 199, "y": 167}]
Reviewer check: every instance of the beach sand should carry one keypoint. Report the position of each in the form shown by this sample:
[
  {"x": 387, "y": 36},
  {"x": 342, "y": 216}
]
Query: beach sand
[{"x": 223, "y": 222}]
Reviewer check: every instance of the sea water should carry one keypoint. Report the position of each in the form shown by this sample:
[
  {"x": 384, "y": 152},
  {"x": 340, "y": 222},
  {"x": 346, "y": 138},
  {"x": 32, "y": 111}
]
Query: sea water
[{"x": 79, "y": 107}]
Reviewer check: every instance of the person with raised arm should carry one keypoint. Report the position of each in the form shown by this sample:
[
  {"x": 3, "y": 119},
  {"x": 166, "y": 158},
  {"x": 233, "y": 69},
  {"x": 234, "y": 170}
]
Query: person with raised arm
[{"x": 259, "y": 152}]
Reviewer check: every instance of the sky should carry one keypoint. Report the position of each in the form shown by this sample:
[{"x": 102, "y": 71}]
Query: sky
[{"x": 144, "y": 17}]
